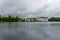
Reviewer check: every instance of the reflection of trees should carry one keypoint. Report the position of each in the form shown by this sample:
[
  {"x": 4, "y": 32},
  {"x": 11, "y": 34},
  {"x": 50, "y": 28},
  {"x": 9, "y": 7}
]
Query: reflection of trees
[
  {"x": 9, "y": 26},
  {"x": 22, "y": 35},
  {"x": 12, "y": 26}
]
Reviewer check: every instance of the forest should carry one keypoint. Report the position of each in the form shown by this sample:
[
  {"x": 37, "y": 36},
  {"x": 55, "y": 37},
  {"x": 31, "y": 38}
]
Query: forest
[
  {"x": 54, "y": 19},
  {"x": 9, "y": 19}
]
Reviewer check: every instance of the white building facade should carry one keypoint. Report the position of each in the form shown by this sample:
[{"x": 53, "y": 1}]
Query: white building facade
[{"x": 42, "y": 19}]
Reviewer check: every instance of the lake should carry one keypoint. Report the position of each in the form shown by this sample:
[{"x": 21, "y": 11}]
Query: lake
[{"x": 30, "y": 31}]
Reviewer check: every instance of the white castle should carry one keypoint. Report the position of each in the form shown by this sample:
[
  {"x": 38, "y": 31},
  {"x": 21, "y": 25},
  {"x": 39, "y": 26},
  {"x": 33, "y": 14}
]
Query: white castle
[{"x": 42, "y": 19}]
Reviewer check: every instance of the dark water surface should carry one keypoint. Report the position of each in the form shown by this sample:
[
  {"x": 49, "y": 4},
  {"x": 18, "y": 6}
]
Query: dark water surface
[{"x": 30, "y": 31}]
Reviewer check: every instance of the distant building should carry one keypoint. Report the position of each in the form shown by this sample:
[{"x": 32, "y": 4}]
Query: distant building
[
  {"x": 29, "y": 20},
  {"x": 42, "y": 19}
]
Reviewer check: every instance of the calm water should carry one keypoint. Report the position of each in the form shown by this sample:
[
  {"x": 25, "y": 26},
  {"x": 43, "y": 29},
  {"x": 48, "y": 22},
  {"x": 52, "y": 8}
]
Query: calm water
[{"x": 30, "y": 31}]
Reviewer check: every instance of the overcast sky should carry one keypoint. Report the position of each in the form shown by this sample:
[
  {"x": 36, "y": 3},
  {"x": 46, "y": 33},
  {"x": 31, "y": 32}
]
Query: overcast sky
[{"x": 30, "y": 8}]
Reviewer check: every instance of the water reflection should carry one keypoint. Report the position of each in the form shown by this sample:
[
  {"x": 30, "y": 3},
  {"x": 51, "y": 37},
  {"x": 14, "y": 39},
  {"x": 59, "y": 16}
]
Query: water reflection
[
  {"x": 30, "y": 31},
  {"x": 18, "y": 36}
]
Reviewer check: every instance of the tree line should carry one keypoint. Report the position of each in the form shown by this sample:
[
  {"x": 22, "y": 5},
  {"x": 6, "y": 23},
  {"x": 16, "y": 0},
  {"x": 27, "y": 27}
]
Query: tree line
[
  {"x": 54, "y": 19},
  {"x": 9, "y": 19}
]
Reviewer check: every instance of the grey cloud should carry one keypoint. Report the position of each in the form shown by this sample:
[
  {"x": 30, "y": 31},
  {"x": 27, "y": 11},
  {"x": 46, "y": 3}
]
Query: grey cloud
[
  {"x": 12, "y": 7},
  {"x": 30, "y": 8}
]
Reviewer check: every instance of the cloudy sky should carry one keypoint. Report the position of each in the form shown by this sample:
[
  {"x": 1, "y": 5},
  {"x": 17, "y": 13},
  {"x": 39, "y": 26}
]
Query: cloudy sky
[{"x": 30, "y": 8}]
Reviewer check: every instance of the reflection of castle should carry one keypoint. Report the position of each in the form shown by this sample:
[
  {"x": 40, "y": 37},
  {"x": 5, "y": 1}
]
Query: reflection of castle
[{"x": 42, "y": 19}]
